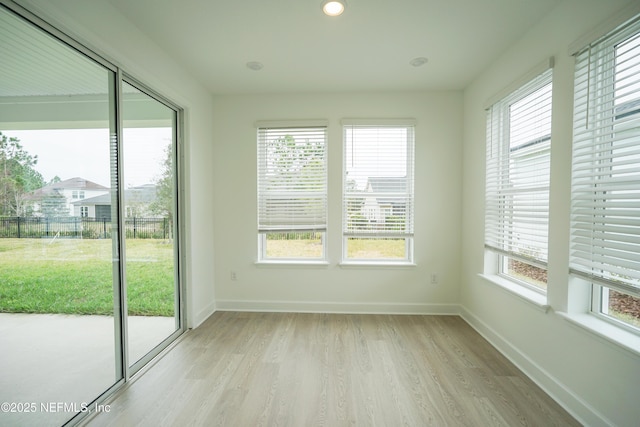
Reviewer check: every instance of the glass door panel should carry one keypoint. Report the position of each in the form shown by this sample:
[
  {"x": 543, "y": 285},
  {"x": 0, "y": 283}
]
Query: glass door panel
[
  {"x": 149, "y": 139},
  {"x": 59, "y": 258}
]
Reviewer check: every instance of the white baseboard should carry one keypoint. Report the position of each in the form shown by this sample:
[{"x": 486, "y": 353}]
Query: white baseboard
[
  {"x": 196, "y": 319},
  {"x": 336, "y": 307},
  {"x": 570, "y": 401}
]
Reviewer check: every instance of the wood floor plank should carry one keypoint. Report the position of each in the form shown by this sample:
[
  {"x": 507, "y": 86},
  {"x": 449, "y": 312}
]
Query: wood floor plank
[{"x": 285, "y": 369}]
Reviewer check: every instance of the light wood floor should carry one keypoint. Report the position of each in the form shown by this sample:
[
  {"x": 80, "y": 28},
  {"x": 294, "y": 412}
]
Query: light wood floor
[{"x": 267, "y": 369}]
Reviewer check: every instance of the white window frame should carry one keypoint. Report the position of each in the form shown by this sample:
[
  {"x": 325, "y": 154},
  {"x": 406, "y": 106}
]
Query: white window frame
[
  {"x": 407, "y": 194},
  {"x": 267, "y": 132},
  {"x": 595, "y": 120},
  {"x": 499, "y": 243}
]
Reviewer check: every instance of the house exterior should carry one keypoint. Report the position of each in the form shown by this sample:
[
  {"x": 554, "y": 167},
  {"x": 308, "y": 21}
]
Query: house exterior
[
  {"x": 59, "y": 198},
  {"x": 384, "y": 198},
  {"x": 137, "y": 201}
]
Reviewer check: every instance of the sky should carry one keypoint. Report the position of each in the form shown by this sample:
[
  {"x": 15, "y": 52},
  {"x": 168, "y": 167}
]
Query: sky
[{"x": 84, "y": 153}]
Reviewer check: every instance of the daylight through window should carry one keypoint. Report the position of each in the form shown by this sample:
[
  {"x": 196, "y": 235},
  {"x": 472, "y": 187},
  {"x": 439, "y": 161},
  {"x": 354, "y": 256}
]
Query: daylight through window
[
  {"x": 517, "y": 182},
  {"x": 378, "y": 195},
  {"x": 292, "y": 192},
  {"x": 605, "y": 214}
]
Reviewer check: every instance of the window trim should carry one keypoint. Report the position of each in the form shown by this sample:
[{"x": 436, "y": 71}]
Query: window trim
[
  {"x": 499, "y": 120},
  {"x": 263, "y": 126},
  {"x": 408, "y": 236},
  {"x": 383, "y": 262},
  {"x": 598, "y": 301},
  {"x": 591, "y": 133},
  {"x": 264, "y": 259},
  {"x": 502, "y": 260}
]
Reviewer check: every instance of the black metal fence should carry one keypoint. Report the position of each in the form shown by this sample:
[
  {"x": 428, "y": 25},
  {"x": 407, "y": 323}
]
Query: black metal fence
[{"x": 82, "y": 228}]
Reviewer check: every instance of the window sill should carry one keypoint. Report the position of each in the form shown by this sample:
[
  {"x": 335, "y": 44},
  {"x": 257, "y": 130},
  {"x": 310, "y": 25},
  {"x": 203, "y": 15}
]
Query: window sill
[
  {"x": 292, "y": 263},
  {"x": 376, "y": 264},
  {"x": 536, "y": 299},
  {"x": 609, "y": 332}
]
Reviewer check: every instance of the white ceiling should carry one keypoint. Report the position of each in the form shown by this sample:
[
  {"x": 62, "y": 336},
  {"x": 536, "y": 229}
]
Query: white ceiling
[{"x": 368, "y": 48}]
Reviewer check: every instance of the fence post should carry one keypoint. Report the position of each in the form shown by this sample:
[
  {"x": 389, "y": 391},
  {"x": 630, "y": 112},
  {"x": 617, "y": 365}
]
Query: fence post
[
  {"x": 134, "y": 227},
  {"x": 18, "y": 227},
  {"x": 104, "y": 227}
]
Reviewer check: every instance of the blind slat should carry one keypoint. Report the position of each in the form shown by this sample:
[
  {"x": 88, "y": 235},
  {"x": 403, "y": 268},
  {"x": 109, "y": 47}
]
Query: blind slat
[
  {"x": 605, "y": 207},
  {"x": 292, "y": 178},
  {"x": 378, "y": 195},
  {"x": 517, "y": 174}
]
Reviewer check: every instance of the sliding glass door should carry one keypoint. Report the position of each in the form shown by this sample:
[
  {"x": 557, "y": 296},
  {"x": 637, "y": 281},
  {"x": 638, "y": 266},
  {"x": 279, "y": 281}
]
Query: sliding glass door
[
  {"x": 149, "y": 141},
  {"x": 89, "y": 272}
]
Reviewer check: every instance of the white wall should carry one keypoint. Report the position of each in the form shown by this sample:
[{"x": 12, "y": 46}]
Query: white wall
[
  {"x": 335, "y": 288},
  {"x": 595, "y": 379},
  {"x": 102, "y": 28}
]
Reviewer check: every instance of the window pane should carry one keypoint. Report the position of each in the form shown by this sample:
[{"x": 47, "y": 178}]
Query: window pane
[
  {"x": 376, "y": 248},
  {"x": 517, "y": 181},
  {"x": 149, "y": 201},
  {"x": 621, "y": 306},
  {"x": 525, "y": 272},
  {"x": 378, "y": 192},
  {"x": 605, "y": 231},
  {"x": 294, "y": 245},
  {"x": 292, "y": 192}
]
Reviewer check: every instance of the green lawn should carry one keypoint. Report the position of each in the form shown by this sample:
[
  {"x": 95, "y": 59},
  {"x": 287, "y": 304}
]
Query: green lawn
[
  {"x": 357, "y": 248},
  {"x": 74, "y": 276},
  {"x": 376, "y": 248}
]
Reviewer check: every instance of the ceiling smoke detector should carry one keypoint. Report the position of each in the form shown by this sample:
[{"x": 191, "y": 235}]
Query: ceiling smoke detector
[
  {"x": 419, "y": 61},
  {"x": 255, "y": 65}
]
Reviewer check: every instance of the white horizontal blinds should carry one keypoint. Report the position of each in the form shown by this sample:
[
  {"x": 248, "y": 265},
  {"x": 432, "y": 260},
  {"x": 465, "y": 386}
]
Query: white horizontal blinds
[
  {"x": 292, "y": 179},
  {"x": 517, "y": 174},
  {"x": 605, "y": 209},
  {"x": 378, "y": 180}
]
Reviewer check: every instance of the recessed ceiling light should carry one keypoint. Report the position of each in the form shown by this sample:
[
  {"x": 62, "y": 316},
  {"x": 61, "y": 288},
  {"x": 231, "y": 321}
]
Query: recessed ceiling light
[
  {"x": 255, "y": 65},
  {"x": 419, "y": 61},
  {"x": 333, "y": 7}
]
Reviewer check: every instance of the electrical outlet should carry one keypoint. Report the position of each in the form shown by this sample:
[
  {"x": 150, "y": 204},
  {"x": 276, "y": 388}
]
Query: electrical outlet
[
  {"x": 234, "y": 277},
  {"x": 434, "y": 278}
]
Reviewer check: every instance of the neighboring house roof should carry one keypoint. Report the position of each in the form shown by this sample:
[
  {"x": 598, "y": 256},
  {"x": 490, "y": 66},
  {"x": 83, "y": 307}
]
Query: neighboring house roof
[
  {"x": 388, "y": 184},
  {"x": 55, "y": 188},
  {"x": 142, "y": 194},
  {"x": 626, "y": 108},
  {"x": 103, "y": 199}
]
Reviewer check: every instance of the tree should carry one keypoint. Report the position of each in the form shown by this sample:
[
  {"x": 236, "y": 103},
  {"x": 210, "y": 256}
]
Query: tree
[
  {"x": 54, "y": 180},
  {"x": 164, "y": 202},
  {"x": 17, "y": 176},
  {"x": 295, "y": 161}
]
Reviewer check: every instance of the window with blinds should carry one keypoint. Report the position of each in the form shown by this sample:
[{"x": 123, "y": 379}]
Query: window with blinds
[
  {"x": 378, "y": 195},
  {"x": 517, "y": 181},
  {"x": 292, "y": 191},
  {"x": 605, "y": 208}
]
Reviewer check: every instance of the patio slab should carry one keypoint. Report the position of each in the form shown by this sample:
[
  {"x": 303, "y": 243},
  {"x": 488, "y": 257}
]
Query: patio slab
[{"x": 54, "y": 363}]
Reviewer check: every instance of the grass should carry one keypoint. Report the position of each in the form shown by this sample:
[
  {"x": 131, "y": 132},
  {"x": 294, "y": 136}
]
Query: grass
[
  {"x": 72, "y": 276},
  {"x": 302, "y": 248},
  {"x": 357, "y": 248},
  {"x": 376, "y": 248}
]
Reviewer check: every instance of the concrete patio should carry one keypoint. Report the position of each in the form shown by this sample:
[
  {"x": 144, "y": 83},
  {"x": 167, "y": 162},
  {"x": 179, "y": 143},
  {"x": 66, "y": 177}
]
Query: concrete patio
[{"x": 48, "y": 359}]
